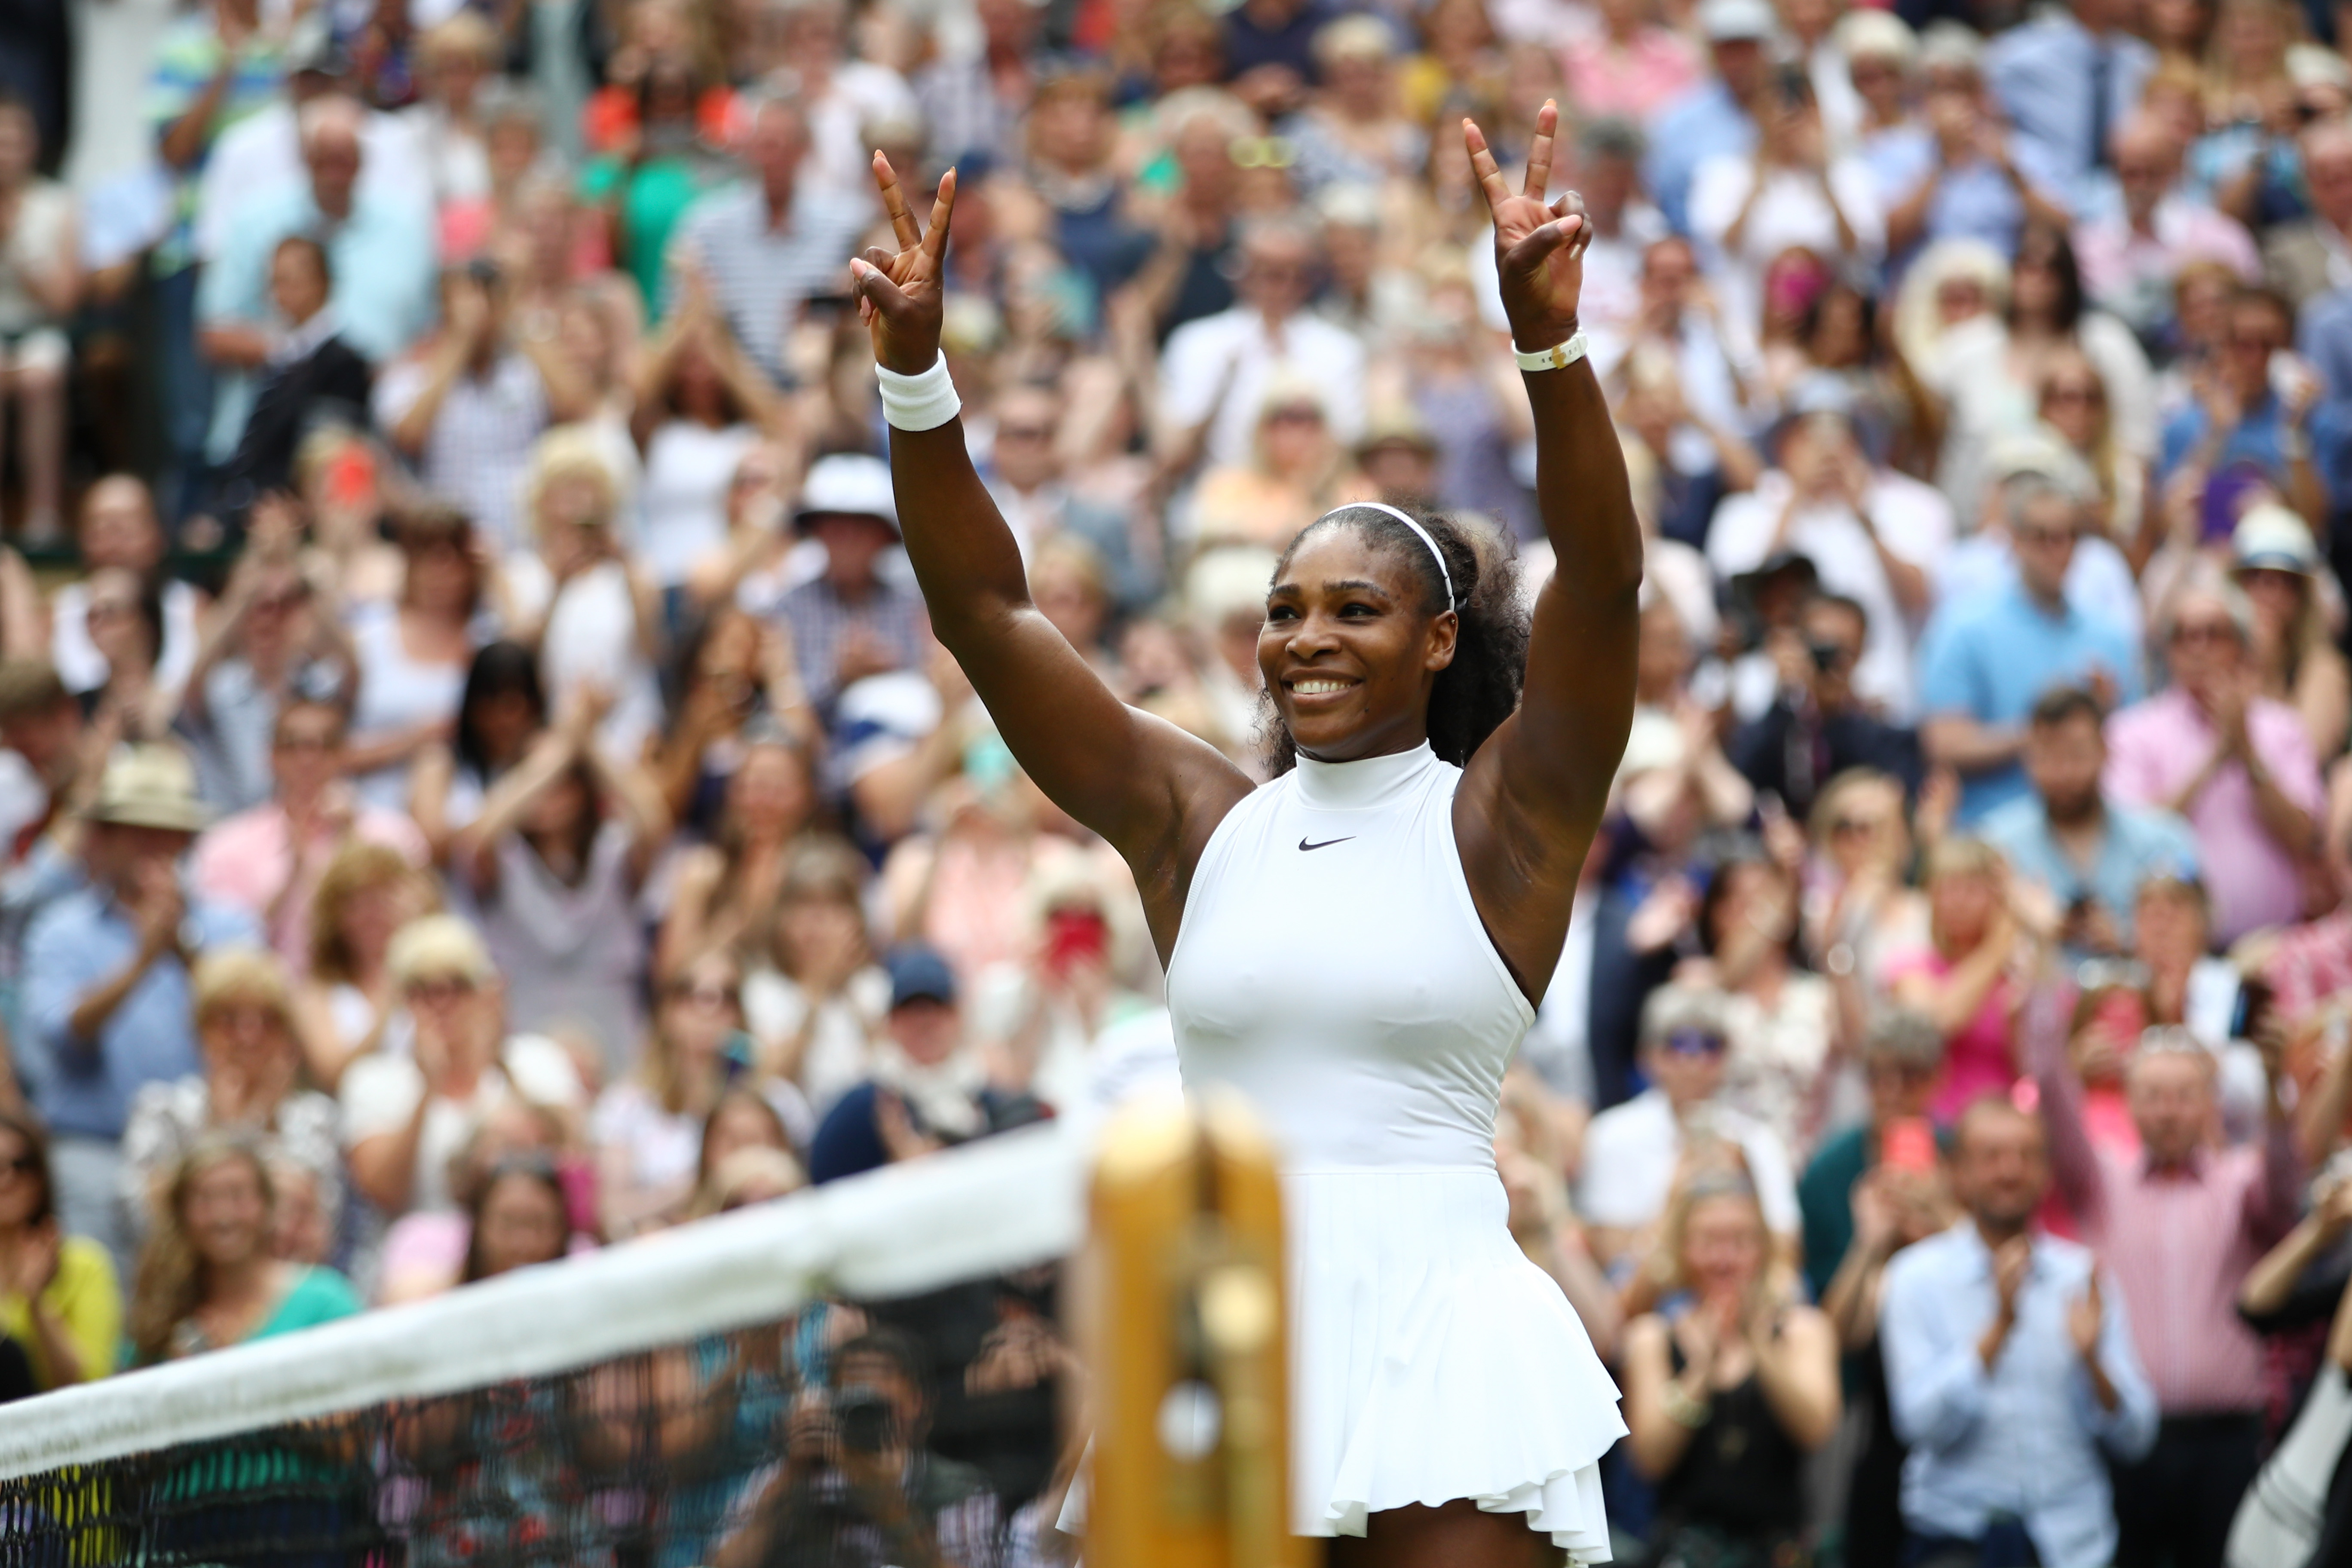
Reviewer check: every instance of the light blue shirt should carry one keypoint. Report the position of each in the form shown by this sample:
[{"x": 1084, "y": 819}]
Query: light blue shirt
[
  {"x": 1994, "y": 655},
  {"x": 385, "y": 273},
  {"x": 1975, "y": 201},
  {"x": 2044, "y": 73},
  {"x": 78, "y": 941},
  {"x": 2140, "y": 843},
  {"x": 2022, "y": 1439},
  {"x": 1705, "y": 122}
]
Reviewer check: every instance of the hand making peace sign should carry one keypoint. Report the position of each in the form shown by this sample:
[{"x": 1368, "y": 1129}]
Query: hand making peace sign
[
  {"x": 900, "y": 297},
  {"x": 1538, "y": 247}
]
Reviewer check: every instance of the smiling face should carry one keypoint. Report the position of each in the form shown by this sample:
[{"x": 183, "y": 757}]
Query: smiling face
[
  {"x": 1352, "y": 646},
  {"x": 226, "y": 1210}
]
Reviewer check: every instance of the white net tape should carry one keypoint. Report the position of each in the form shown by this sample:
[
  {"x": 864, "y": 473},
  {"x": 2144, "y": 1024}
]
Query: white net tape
[{"x": 997, "y": 1206}]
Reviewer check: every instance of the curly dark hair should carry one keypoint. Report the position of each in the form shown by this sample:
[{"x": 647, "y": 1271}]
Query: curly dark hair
[{"x": 1480, "y": 688}]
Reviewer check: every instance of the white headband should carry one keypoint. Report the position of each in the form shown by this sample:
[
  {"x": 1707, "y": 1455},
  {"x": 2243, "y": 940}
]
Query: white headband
[{"x": 1418, "y": 532}]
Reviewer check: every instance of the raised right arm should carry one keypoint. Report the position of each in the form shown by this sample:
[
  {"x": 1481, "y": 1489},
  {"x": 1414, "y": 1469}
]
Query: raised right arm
[{"x": 1153, "y": 790}]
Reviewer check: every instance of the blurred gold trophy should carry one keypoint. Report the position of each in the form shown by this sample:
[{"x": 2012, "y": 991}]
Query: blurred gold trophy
[{"x": 1191, "y": 1461}]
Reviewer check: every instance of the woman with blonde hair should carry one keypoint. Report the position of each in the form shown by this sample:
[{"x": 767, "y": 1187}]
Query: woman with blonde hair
[
  {"x": 345, "y": 1006},
  {"x": 2296, "y": 661},
  {"x": 207, "y": 1279},
  {"x": 1726, "y": 1396},
  {"x": 575, "y": 598},
  {"x": 816, "y": 999},
  {"x": 1964, "y": 978},
  {"x": 1297, "y": 471},
  {"x": 2073, "y": 401},
  {"x": 251, "y": 1085},
  {"x": 648, "y": 1128}
]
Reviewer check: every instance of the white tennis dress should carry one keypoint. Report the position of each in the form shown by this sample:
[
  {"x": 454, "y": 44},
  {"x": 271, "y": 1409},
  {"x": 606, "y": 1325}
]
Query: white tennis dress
[{"x": 1332, "y": 967}]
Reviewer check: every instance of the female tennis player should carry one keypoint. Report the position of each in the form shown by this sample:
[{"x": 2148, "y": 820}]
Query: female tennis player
[{"x": 1358, "y": 944}]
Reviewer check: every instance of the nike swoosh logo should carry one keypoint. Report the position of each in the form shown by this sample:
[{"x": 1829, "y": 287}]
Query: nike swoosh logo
[{"x": 1326, "y": 844}]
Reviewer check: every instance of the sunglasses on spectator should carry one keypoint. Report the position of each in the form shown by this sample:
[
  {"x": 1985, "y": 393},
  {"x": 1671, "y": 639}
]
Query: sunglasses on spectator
[
  {"x": 1262, "y": 152},
  {"x": 22, "y": 1165},
  {"x": 1024, "y": 432},
  {"x": 441, "y": 988},
  {"x": 1692, "y": 1043},
  {"x": 1854, "y": 827},
  {"x": 2028, "y": 533},
  {"x": 2064, "y": 391},
  {"x": 703, "y": 995},
  {"x": 2205, "y": 631}
]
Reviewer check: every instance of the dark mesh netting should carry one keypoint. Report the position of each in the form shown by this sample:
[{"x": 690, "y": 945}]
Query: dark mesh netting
[{"x": 916, "y": 1431}]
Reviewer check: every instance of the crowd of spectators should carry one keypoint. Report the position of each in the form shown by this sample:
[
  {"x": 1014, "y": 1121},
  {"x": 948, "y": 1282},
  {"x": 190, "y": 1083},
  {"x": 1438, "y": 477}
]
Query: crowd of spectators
[{"x": 477, "y": 783}]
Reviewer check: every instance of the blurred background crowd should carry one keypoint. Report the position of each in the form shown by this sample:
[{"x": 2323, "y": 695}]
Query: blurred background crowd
[{"x": 478, "y": 785}]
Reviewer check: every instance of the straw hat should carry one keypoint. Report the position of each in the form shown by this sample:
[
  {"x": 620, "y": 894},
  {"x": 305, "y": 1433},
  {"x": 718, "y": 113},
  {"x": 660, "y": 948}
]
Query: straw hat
[{"x": 149, "y": 787}]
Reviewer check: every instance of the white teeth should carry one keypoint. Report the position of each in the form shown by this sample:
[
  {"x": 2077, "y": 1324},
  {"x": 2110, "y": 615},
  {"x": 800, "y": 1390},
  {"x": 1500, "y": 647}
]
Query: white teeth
[{"x": 1316, "y": 687}]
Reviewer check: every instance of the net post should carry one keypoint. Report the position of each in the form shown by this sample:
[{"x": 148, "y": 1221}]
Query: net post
[{"x": 1188, "y": 1342}]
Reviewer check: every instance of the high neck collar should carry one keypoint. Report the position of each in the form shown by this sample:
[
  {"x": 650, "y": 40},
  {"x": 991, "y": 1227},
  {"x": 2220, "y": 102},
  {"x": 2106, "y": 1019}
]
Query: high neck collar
[{"x": 1358, "y": 786}]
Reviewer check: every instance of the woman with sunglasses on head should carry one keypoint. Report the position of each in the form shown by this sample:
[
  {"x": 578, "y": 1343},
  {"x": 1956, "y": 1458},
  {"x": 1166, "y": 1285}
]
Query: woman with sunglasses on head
[
  {"x": 2073, "y": 402},
  {"x": 59, "y": 1301},
  {"x": 649, "y": 1128},
  {"x": 1358, "y": 946}
]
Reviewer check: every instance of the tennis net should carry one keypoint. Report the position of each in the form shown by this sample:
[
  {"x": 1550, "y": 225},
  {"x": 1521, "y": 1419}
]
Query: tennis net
[{"x": 864, "y": 1374}]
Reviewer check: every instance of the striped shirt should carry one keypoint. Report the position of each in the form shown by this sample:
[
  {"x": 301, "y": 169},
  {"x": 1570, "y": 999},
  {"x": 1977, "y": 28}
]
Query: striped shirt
[
  {"x": 762, "y": 273},
  {"x": 187, "y": 58},
  {"x": 480, "y": 445},
  {"x": 819, "y": 619}
]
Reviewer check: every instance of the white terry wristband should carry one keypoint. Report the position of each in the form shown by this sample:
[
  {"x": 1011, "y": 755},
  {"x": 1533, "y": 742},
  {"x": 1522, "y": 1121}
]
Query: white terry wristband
[{"x": 923, "y": 402}]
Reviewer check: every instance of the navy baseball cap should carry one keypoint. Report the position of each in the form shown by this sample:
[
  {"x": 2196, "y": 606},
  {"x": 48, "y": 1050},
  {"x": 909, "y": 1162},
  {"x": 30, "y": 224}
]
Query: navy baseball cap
[{"x": 918, "y": 973}]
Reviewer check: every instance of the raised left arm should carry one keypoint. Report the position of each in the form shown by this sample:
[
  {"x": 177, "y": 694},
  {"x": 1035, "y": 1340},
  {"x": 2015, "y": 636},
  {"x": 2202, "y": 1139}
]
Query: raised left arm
[{"x": 1533, "y": 794}]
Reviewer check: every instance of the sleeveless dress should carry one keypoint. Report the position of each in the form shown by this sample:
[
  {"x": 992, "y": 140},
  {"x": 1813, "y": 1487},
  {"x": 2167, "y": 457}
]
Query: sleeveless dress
[{"x": 1332, "y": 967}]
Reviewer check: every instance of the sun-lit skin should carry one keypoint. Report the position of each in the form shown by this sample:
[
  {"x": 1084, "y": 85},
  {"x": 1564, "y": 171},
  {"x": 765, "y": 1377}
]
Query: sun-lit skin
[{"x": 1349, "y": 649}]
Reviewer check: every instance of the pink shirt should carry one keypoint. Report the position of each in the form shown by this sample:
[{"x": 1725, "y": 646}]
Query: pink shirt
[
  {"x": 1652, "y": 71},
  {"x": 2116, "y": 258},
  {"x": 2156, "y": 747},
  {"x": 1977, "y": 1061},
  {"x": 244, "y": 860},
  {"x": 2179, "y": 1239}
]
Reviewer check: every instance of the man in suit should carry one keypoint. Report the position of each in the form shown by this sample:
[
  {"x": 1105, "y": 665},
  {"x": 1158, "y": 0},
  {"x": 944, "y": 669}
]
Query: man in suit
[
  {"x": 309, "y": 375},
  {"x": 2310, "y": 258}
]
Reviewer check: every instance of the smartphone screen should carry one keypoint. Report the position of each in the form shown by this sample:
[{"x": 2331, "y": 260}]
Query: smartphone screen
[{"x": 1907, "y": 1144}]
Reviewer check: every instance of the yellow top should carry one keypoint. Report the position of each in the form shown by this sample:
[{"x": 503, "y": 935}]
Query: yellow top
[{"x": 85, "y": 1299}]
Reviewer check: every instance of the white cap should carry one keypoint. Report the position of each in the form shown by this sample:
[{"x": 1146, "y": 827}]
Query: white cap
[
  {"x": 848, "y": 484},
  {"x": 2273, "y": 538},
  {"x": 1722, "y": 21}
]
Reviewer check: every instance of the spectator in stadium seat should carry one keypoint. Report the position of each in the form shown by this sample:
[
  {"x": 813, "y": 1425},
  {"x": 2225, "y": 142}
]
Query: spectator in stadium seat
[
  {"x": 2131, "y": 255},
  {"x": 929, "y": 1507},
  {"x": 744, "y": 1123},
  {"x": 117, "y": 528},
  {"x": 207, "y": 1279},
  {"x": 1725, "y": 1396},
  {"x": 2091, "y": 854},
  {"x": 60, "y": 1299},
  {"x": 2011, "y": 1371},
  {"x": 1717, "y": 116},
  {"x": 1215, "y": 372},
  {"x": 380, "y": 252},
  {"x": 2237, "y": 764},
  {"x": 1871, "y": 534},
  {"x": 466, "y": 404},
  {"x": 251, "y": 1084},
  {"x": 928, "y": 1088},
  {"x": 1988, "y": 659},
  {"x": 106, "y": 998},
  {"x": 760, "y": 248},
  {"x": 1632, "y": 1151},
  {"x": 2239, "y": 416},
  {"x": 2180, "y": 1223},
  {"x": 1816, "y": 727},
  {"x": 851, "y": 621},
  {"x": 309, "y": 373},
  {"x": 268, "y": 861},
  {"x": 518, "y": 1217},
  {"x": 2066, "y": 76},
  {"x": 40, "y": 284},
  {"x": 405, "y": 1117}
]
